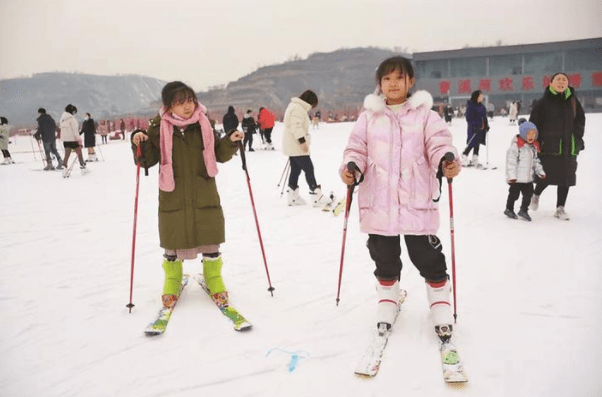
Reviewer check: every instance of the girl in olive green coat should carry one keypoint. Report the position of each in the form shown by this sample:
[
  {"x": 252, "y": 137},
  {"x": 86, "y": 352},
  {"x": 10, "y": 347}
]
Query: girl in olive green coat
[{"x": 191, "y": 220}]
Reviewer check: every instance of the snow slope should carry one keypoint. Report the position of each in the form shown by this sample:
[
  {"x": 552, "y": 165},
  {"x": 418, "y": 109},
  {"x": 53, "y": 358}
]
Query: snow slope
[{"x": 529, "y": 296}]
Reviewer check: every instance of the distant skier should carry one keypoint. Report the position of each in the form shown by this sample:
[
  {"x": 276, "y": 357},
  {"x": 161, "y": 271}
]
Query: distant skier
[
  {"x": 398, "y": 192},
  {"x": 122, "y": 126},
  {"x": 513, "y": 113},
  {"x": 47, "y": 134},
  {"x": 296, "y": 141},
  {"x": 4, "y": 137},
  {"x": 477, "y": 124},
  {"x": 191, "y": 221},
  {"x": 266, "y": 121},
  {"x": 230, "y": 121},
  {"x": 70, "y": 137},
  {"x": 448, "y": 113},
  {"x": 89, "y": 131},
  {"x": 248, "y": 127}
]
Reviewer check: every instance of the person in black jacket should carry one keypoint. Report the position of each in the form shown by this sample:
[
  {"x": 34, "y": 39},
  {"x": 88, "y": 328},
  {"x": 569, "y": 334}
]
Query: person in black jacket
[
  {"x": 477, "y": 124},
  {"x": 89, "y": 131},
  {"x": 230, "y": 120},
  {"x": 560, "y": 119},
  {"x": 47, "y": 134},
  {"x": 248, "y": 126}
]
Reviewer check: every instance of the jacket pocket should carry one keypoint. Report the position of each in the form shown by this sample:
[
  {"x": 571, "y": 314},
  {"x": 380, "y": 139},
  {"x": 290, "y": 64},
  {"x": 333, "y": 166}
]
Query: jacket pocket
[
  {"x": 423, "y": 184},
  {"x": 366, "y": 188},
  {"x": 206, "y": 195},
  {"x": 169, "y": 201},
  {"x": 551, "y": 146}
]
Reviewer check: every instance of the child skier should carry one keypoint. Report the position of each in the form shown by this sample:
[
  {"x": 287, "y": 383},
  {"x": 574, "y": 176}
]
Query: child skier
[
  {"x": 521, "y": 164},
  {"x": 399, "y": 144},
  {"x": 180, "y": 139}
]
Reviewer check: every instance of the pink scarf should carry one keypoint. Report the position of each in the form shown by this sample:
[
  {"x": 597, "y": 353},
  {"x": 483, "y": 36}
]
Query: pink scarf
[{"x": 167, "y": 182}]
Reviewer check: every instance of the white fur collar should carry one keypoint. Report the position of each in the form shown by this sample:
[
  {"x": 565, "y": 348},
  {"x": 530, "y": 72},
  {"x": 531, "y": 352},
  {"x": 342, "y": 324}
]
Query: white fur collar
[{"x": 376, "y": 103}]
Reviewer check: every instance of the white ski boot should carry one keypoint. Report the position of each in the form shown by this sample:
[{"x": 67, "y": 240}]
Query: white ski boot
[
  {"x": 92, "y": 157},
  {"x": 439, "y": 298},
  {"x": 560, "y": 214},
  {"x": 388, "y": 298},
  {"x": 319, "y": 199},
  {"x": 475, "y": 162},
  {"x": 293, "y": 197}
]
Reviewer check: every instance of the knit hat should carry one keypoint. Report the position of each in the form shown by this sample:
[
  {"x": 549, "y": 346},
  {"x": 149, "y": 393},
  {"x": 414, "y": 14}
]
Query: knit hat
[{"x": 525, "y": 127}]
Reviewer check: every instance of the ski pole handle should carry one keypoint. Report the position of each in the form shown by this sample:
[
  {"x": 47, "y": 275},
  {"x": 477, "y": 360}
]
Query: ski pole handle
[
  {"x": 351, "y": 166},
  {"x": 449, "y": 157}
]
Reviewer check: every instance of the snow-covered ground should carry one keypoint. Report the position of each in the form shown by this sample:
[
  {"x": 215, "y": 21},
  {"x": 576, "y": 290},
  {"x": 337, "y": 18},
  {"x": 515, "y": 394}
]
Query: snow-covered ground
[{"x": 529, "y": 294}]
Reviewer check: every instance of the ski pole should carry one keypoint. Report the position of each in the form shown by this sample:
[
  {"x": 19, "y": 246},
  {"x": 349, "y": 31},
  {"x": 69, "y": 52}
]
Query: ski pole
[
  {"x": 284, "y": 175},
  {"x": 244, "y": 167},
  {"x": 449, "y": 157},
  {"x": 351, "y": 166},
  {"x": 138, "y": 162},
  {"x": 42, "y": 154},
  {"x": 100, "y": 151},
  {"x": 32, "y": 148}
]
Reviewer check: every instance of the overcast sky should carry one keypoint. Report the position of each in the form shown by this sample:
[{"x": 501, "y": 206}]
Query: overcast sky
[{"x": 212, "y": 42}]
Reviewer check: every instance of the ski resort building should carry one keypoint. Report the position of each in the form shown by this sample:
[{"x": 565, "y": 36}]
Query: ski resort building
[{"x": 512, "y": 73}]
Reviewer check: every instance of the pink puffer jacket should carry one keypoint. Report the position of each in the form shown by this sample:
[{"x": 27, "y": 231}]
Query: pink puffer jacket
[{"x": 399, "y": 154}]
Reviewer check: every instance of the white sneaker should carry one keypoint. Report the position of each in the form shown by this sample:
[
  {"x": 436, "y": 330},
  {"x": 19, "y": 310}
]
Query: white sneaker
[
  {"x": 534, "y": 203},
  {"x": 319, "y": 199},
  {"x": 439, "y": 298},
  {"x": 293, "y": 197},
  {"x": 560, "y": 214},
  {"x": 388, "y": 298}
]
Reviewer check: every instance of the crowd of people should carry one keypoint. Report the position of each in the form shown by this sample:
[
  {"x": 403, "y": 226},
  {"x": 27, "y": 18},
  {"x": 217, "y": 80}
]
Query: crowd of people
[{"x": 382, "y": 148}]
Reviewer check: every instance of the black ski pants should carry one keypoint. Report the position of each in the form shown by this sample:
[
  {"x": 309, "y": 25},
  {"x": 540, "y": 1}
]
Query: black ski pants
[
  {"x": 425, "y": 252},
  {"x": 267, "y": 133},
  {"x": 298, "y": 164},
  {"x": 248, "y": 139},
  {"x": 561, "y": 194},
  {"x": 515, "y": 190}
]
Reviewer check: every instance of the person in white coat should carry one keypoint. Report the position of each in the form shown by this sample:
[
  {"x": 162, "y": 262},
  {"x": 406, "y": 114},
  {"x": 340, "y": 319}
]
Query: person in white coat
[
  {"x": 513, "y": 113},
  {"x": 295, "y": 144},
  {"x": 70, "y": 137},
  {"x": 4, "y": 136},
  {"x": 521, "y": 164}
]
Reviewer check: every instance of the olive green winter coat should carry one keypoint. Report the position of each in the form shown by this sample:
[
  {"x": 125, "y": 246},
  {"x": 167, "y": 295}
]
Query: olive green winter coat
[{"x": 191, "y": 215}]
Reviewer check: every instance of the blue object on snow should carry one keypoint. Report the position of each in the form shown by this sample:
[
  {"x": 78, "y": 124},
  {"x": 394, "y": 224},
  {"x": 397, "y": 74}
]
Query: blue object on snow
[{"x": 295, "y": 357}]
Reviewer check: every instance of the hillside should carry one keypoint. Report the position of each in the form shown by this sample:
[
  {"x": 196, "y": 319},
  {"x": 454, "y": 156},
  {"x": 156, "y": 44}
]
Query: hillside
[
  {"x": 341, "y": 79},
  {"x": 102, "y": 96}
]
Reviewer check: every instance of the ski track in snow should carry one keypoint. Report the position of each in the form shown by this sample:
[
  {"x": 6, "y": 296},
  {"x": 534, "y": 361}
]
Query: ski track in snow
[{"x": 529, "y": 301}]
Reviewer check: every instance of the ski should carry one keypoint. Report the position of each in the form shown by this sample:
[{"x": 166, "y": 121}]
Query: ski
[
  {"x": 239, "y": 322},
  {"x": 331, "y": 204},
  {"x": 67, "y": 170},
  {"x": 453, "y": 371},
  {"x": 369, "y": 364},
  {"x": 158, "y": 326},
  {"x": 339, "y": 207}
]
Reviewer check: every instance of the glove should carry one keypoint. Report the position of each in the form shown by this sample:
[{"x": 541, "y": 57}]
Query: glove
[{"x": 511, "y": 181}]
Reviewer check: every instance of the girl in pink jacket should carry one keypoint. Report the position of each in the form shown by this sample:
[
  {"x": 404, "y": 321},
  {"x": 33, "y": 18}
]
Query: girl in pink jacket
[{"x": 399, "y": 144}]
